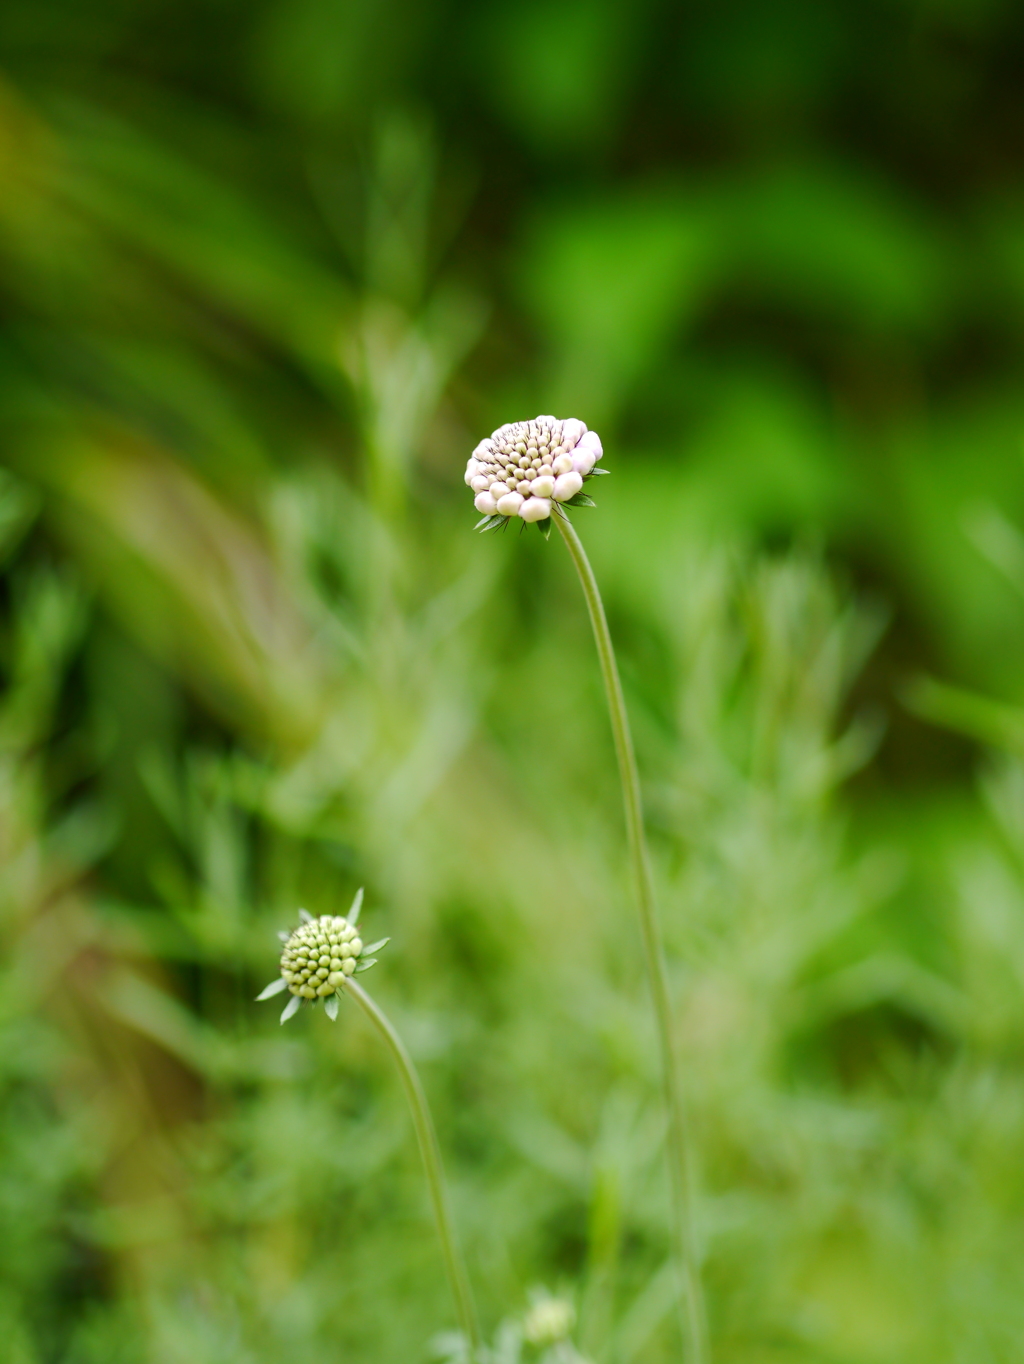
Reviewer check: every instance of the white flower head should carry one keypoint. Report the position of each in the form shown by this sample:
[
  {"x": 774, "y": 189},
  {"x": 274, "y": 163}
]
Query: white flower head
[
  {"x": 318, "y": 957},
  {"x": 531, "y": 469}
]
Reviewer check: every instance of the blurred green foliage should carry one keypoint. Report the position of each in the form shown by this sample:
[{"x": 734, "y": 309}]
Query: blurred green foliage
[{"x": 267, "y": 273}]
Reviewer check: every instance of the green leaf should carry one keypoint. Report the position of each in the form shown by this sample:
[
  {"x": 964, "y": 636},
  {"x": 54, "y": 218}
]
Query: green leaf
[
  {"x": 357, "y": 904},
  {"x": 544, "y": 527},
  {"x": 291, "y": 1008},
  {"x": 596, "y": 470},
  {"x": 331, "y": 1007},
  {"x": 375, "y": 946},
  {"x": 580, "y": 500},
  {"x": 283, "y": 935},
  {"x": 305, "y": 916},
  {"x": 364, "y": 964},
  {"x": 274, "y": 988},
  {"x": 490, "y": 523}
]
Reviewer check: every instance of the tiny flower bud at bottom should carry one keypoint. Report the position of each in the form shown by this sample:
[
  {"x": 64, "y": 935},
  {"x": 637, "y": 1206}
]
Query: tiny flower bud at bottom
[
  {"x": 479, "y": 483},
  {"x": 583, "y": 460},
  {"x": 535, "y": 509},
  {"x": 485, "y": 503},
  {"x": 510, "y": 504},
  {"x": 548, "y": 1321},
  {"x": 544, "y": 486},
  {"x": 567, "y": 485}
]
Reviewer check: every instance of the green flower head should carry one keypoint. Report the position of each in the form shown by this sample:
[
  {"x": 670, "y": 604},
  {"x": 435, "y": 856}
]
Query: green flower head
[{"x": 318, "y": 957}]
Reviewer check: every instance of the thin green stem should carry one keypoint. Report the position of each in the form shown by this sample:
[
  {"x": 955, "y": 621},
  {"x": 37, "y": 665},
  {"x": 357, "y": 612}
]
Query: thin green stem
[
  {"x": 431, "y": 1153},
  {"x": 686, "y": 1252}
]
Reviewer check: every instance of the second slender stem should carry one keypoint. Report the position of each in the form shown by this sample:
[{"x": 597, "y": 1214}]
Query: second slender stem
[
  {"x": 431, "y": 1153},
  {"x": 686, "y": 1254}
]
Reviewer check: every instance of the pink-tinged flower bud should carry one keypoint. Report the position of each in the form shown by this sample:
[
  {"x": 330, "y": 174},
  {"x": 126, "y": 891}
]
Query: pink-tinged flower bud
[
  {"x": 509, "y": 504},
  {"x": 572, "y": 430},
  {"x": 587, "y": 453},
  {"x": 499, "y": 490},
  {"x": 543, "y": 486},
  {"x": 562, "y": 464},
  {"x": 485, "y": 504},
  {"x": 472, "y": 469},
  {"x": 592, "y": 441},
  {"x": 479, "y": 483},
  {"x": 567, "y": 485},
  {"x": 484, "y": 450},
  {"x": 535, "y": 509}
]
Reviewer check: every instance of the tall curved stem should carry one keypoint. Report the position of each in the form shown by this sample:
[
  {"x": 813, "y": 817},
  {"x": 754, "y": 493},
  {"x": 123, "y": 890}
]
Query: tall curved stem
[
  {"x": 454, "y": 1265},
  {"x": 680, "y": 1172}
]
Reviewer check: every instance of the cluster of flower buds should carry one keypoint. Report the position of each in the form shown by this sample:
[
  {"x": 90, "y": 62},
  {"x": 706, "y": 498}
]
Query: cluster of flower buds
[
  {"x": 524, "y": 467},
  {"x": 318, "y": 957}
]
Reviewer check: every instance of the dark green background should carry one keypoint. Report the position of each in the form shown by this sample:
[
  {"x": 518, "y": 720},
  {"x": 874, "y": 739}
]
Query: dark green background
[{"x": 267, "y": 274}]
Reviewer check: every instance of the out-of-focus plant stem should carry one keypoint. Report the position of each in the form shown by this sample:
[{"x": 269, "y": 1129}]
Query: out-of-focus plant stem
[
  {"x": 431, "y": 1153},
  {"x": 688, "y": 1259}
]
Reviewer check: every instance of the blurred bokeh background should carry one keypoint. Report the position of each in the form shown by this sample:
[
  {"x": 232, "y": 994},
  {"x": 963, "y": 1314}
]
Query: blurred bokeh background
[{"x": 268, "y": 271}]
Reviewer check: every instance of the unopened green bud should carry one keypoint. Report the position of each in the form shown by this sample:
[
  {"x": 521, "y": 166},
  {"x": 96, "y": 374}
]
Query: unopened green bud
[
  {"x": 549, "y": 1320},
  {"x": 317, "y": 959}
]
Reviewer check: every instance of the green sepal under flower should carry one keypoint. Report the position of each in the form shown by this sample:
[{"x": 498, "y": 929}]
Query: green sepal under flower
[{"x": 318, "y": 957}]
